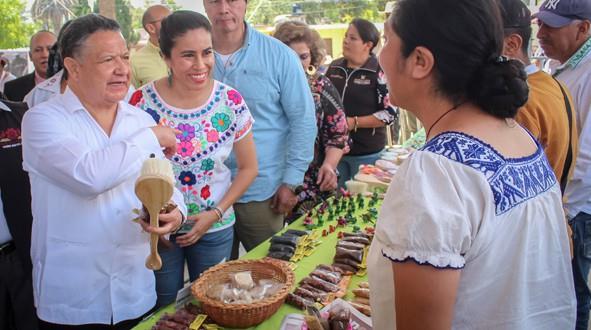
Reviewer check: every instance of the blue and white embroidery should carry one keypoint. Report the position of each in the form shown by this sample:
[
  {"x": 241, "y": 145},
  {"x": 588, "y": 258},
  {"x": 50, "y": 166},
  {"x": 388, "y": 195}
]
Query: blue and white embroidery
[{"x": 512, "y": 181}]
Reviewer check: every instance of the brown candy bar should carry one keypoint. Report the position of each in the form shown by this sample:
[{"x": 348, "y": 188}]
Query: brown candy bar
[
  {"x": 345, "y": 269},
  {"x": 298, "y": 301},
  {"x": 309, "y": 294},
  {"x": 350, "y": 245},
  {"x": 356, "y": 255},
  {"x": 320, "y": 284},
  {"x": 332, "y": 277},
  {"x": 358, "y": 234},
  {"x": 356, "y": 239},
  {"x": 347, "y": 261}
]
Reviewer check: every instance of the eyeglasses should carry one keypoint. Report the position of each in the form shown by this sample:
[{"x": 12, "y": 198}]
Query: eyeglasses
[{"x": 218, "y": 2}]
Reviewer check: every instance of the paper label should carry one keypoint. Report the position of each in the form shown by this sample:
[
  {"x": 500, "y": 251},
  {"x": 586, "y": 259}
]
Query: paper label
[{"x": 183, "y": 296}]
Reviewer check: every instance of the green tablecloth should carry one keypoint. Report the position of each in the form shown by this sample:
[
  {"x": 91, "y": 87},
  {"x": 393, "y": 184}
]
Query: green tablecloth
[{"x": 323, "y": 254}]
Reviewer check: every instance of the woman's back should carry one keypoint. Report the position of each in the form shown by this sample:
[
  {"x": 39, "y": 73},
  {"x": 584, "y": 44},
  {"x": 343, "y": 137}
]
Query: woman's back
[{"x": 458, "y": 203}]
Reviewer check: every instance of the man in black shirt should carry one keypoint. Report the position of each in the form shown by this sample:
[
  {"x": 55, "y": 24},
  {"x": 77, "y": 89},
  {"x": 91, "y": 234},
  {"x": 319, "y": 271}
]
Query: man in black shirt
[{"x": 17, "y": 310}]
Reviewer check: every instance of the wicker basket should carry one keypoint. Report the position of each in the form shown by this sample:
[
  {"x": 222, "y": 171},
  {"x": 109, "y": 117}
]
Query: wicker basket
[{"x": 243, "y": 315}]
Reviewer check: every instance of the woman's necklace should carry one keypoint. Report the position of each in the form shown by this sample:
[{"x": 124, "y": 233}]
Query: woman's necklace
[{"x": 441, "y": 117}]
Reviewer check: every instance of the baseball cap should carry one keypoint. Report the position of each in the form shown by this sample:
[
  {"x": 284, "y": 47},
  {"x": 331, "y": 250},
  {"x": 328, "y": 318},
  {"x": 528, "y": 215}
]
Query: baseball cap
[
  {"x": 559, "y": 13},
  {"x": 515, "y": 14}
]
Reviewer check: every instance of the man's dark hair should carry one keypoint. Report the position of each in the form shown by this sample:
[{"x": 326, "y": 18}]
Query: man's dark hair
[
  {"x": 176, "y": 25},
  {"x": 516, "y": 20},
  {"x": 76, "y": 33},
  {"x": 367, "y": 31},
  {"x": 466, "y": 40}
]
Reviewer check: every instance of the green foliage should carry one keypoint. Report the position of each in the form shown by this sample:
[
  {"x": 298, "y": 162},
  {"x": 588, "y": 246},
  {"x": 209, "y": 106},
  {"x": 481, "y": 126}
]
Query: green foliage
[
  {"x": 171, "y": 4},
  {"x": 14, "y": 31},
  {"x": 124, "y": 18},
  {"x": 316, "y": 11},
  {"x": 82, "y": 8}
]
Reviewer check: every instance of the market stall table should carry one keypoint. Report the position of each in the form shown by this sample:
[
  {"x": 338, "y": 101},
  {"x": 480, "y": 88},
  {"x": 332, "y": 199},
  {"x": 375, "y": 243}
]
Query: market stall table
[{"x": 323, "y": 254}]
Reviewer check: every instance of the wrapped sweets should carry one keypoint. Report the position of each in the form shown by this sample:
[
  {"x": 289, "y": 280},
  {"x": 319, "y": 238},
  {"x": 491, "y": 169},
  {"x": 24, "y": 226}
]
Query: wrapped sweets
[
  {"x": 356, "y": 255},
  {"x": 356, "y": 239},
  {"x": 298, "y": 301},
  {"x": 332, "y": 277},
  {"x": 350, "y": 245},
  {"x": 320, "y": 284}
]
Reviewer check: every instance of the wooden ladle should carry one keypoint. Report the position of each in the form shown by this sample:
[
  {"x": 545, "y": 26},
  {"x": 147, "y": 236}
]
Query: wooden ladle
[{"x": 154, "y": 190}]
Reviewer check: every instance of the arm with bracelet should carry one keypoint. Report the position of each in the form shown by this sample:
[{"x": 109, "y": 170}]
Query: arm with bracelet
[{"x": 245, "y": 152}]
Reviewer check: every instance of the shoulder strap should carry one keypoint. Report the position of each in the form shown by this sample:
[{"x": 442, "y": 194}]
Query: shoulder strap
[{"x": 569, "y": 155}]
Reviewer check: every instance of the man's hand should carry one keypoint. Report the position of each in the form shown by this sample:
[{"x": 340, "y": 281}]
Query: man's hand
[
  {"x": 167, "y": 138},
  {"x": 327, "y": 178},
  {"x": 168, "y": 222},
  {"x": 284, "y": 200},
  {"x": 203, "y": 221}
]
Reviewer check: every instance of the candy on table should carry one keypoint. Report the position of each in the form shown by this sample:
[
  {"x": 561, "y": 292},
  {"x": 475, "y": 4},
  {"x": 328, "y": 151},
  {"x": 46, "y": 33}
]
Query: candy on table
[
  {"x": 342, "y": 221},
  {"x": 331, "y": 229}
]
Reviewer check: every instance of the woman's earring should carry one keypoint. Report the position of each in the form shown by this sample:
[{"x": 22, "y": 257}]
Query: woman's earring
[
  {"x": 170, "y": 77},
  {"x": 311, "y": 70}
]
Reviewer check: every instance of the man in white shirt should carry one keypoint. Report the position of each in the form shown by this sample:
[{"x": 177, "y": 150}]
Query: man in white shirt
[
  {"x": 565, "y": 35},
  {"x": 83, "y": 150}
]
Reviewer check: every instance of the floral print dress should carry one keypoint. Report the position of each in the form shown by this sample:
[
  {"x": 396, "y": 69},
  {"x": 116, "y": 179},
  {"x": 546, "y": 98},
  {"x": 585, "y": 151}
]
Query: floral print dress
[
  {"x": 207, "y": 136},
  {"x": 332, "y": 132}
]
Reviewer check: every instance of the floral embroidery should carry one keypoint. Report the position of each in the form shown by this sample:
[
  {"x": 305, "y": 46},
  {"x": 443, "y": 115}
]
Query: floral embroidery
[
  {"x": 10, "y": 133},
  {"x": 212, "y": 136},
  {"x": 187, "y": 132},
  {"x": 512, "y": 181},
  {"x": 205, "y": 193},
  {"x": 192, "y": 208},
  {"x": 220, "y": 121},
  {"x": 207, "y": 165},
  {"x": 234, "y": 96},
  {"x": 185, "y": 149},
  {"x": 187, "y": 178},
  {"x": 154, "y": 114},
  {"x": 205, "y": 140}
]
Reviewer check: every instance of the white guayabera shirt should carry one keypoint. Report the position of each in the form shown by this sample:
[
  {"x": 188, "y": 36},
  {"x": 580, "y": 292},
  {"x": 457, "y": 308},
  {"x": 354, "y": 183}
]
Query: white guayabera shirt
[{"x": 88, "y": 256}]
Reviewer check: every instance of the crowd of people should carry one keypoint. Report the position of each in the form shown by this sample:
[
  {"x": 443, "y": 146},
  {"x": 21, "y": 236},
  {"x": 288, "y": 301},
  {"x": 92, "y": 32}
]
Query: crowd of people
[{"x": 474, "y": 229}]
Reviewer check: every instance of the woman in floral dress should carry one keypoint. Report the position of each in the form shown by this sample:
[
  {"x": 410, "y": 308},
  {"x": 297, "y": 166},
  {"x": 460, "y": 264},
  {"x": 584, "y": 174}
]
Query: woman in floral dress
[
  {"x": 321, "y": 178},
  {"x": 212, "y": 121}
]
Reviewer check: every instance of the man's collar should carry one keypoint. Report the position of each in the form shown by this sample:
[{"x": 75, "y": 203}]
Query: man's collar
[
  {"x": 72, "y": 103},
  {"x": 576, "y": 59},
  {"x": 4, "y": 106},
  {"x": 52, "y": 84}
]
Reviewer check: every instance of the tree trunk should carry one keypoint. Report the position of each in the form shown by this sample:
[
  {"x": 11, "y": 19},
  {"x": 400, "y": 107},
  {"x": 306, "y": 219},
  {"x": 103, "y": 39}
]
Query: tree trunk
[{"x": 107, "y": 8}]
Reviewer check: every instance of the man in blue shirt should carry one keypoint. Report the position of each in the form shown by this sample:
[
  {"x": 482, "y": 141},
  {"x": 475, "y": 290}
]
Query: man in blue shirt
[{"x": 270, "y": 77}]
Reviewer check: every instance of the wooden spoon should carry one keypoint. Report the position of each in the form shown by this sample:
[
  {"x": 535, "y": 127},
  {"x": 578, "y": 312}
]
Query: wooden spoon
[{"x": 154, "y": 191}]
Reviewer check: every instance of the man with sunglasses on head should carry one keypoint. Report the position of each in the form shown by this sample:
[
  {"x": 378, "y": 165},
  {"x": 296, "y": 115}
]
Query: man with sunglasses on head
[
  {"x": 147, "y": 64},
  {"x": 565, "y": 36}
]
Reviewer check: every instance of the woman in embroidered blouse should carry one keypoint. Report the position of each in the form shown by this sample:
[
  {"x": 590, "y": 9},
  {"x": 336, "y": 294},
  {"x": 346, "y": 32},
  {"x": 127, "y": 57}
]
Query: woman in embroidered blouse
[
  {"x": 321, "y": 177},
  {"x": 471, "y": 234},
  {"x": 212, "y": 120},
  {"x": 358, "y": 78}
]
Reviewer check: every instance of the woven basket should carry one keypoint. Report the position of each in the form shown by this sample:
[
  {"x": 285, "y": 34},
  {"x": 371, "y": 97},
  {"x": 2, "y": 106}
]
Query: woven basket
[{"x": 244, "y": 315}]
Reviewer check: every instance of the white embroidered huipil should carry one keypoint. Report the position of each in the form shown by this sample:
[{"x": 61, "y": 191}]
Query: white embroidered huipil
[
  {"x": 88, "y": 256},
  {"x": 457, "y": 203}
]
